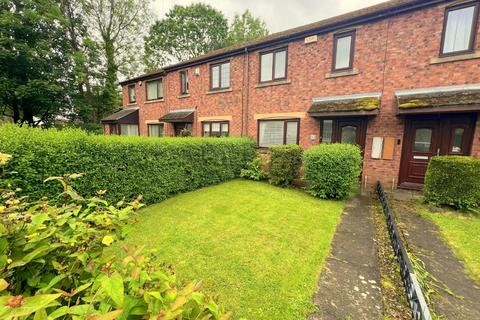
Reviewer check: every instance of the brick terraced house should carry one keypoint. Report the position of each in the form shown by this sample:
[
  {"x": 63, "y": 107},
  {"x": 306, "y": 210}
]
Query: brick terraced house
[{"x": 401, "y": 79}]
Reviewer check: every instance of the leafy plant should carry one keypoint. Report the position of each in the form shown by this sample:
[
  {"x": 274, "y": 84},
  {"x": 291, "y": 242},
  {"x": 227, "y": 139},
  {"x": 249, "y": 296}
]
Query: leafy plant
[
  {"x": 453, "y": 181},
  {"x": 331, "y": 170},
  {"x": 285, "y": 164},
  {"x": 253, "y": 170},
  {"x": 185, "y": 132}
]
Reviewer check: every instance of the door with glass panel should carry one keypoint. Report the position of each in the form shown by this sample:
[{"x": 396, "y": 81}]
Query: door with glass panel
[
  {"x": 426, "y": 137},
  {"x": 340, "y": 130}
]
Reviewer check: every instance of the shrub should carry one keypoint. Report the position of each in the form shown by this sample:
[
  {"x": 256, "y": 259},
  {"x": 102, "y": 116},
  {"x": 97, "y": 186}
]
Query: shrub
[
  {"x": 331, "y": 170},
  {"x": 51, "y": 265},
  {"x": 453, "y": 181},
  {"x": 284, "y": 164},
  {"x": 125, "y": 166},
  {"x": 253, "y": 170}
]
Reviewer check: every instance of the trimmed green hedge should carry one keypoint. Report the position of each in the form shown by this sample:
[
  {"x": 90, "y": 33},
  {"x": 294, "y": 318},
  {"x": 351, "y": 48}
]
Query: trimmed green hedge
[
  {"x": 331, "y": 170},
  {"x": 285, "y": 163},
  {"x": 453, "y": 181},
  {"x": 157, "y": 168}
]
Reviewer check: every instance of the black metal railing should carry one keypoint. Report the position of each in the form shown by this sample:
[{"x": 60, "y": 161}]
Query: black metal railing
[{"x": 414, "y": 292}]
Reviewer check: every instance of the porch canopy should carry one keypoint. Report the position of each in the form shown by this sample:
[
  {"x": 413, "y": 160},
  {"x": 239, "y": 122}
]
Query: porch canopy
[
  {"x": 457, "y": 98},
  {"x": 124, "y": 116},
  {"x": 364, "y": 104},
  {"x": 182, "y": 115}
]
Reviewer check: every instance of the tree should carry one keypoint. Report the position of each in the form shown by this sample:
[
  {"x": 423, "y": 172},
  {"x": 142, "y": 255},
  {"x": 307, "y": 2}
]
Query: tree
[
  {"x": 185, "y": 32},
  {"x": 115, "y": 26},
  {"x": 35, "y": 61},
  {"x": 245, "y": 28}
]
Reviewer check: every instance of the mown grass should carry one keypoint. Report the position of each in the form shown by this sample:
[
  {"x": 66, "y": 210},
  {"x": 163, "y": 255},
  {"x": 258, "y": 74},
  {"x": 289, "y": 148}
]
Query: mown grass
[
  {"x": 462, "y": 233},
  {"x": 258, "y": 247}
]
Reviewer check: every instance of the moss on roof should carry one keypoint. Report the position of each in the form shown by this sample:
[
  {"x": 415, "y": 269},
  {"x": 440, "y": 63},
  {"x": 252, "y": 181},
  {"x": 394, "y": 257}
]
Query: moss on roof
[
  {"x": 439, "y": 99},
  {"x": 360, "y": 104}
]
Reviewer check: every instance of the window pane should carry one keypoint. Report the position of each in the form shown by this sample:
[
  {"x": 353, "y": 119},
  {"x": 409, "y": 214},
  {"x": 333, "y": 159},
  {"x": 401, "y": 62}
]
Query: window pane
[
  {"x": 423, "y": 140},
  {"x": 457, "y": 140},
  {"x": 225, "y": 77},
  {"x": 280, "y": 64},
  {"x": 342, "y": 57},
  {"x": 206, "y": 129},
  {"x": 183, "y": 82},
  {"x": 327, "y": 131},
  {"x": 458, "y": 30},
  {"x": 131, "y": 93},
  {"x": 152, "y": 88},
  {"x": 159, "y": 89},
  {"x": 155, "y": 130},
  {"x": 215, "y": 77},
  {"x": 292, "y": 132},
  {"x": 349, "y": 135},
  {"x": 129, "y": 129},
  {"x": 271, "y": 133},
  {"x": 224, "y": 129},
  {"x": 215, "y": 129},
  {"x": 267, "y": 65}
]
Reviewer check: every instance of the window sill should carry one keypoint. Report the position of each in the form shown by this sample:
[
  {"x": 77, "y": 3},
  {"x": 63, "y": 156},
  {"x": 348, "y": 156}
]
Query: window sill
[
  {"x": 460, "y": 57},
  {"x": 154, "y": 101},
  {"x": 183, "y": 96},
  {"x": 338, "y": 74},
  {"x": 272, "y": 83},
  {"x": 219, "y": 91},
  {"x": 131, "y": 104}
]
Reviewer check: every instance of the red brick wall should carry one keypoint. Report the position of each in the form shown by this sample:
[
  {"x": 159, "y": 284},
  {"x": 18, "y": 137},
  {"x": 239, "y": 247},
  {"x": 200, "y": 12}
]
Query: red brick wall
[{"x": 390, "y": 55}]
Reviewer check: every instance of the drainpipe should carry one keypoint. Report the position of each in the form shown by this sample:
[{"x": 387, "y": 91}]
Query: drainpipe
[{"x": 245, "y": 94}]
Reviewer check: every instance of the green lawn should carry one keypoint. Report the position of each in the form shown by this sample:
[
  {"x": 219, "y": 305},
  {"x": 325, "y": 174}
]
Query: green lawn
[
  {"x": 462, "y": 232},
  {"x": 258, "y": 247}
]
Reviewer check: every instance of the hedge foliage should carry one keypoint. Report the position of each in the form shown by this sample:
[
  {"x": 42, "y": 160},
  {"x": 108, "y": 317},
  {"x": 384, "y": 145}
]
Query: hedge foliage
[
  {"x": 157, "y": 168},
  {"x": 331, "y": 170},
  {"x": 453, "y": 181},
  {"x": 285, "y": 164}
]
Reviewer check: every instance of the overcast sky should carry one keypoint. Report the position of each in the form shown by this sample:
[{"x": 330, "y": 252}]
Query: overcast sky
[{"x": 278, "y": 14}]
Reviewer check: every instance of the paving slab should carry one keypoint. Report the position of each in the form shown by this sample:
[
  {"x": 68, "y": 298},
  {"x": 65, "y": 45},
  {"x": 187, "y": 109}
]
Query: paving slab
[
  {"x": 424, "y": 240},
  {"x": 349, "y": 285}
]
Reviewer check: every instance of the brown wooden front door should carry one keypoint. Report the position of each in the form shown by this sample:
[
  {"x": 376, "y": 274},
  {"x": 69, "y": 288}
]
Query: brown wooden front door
[
  {"x": 427, "y": 136},
  {"x": 344, "y": 130}
]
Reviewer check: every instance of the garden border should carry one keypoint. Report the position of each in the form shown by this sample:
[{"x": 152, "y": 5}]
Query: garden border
[{"x": 414, "y": 293}]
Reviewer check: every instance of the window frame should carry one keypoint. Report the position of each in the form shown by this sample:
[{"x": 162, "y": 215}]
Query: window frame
[
  {"x": 473, "y": 30},
  {"x": 336, "y": 37},
  {"x": 130, "y": 100},
  {"x": 220, "y": 64},
  {"x": 160, "y": 80},
  {"x": 156, "y": 124},
  {"x": 210, "y": 127},
  {"x": 273, "y": 52},
  {"x": 184, "y": 91},
  {"x": 285, "y": 121}
]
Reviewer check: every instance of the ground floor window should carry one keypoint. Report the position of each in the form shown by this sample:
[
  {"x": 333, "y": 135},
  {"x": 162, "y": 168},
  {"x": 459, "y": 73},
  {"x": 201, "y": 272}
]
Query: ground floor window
[
  {"x": 215, "y": 128},
  {"x": 156, "y": 130},
  {"x": 129, "y": 129},
  {"x": 275, "y": 132}
]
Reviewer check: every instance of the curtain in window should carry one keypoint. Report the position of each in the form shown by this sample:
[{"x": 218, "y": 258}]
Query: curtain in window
[
  {"x": 216, "y": 77},
  {"x": 267, "y": 65},
  {"x": 129, "y": 129},
  {"x": 459, "y": 27},
  {"x": 155, "y": 130},
  {"x": 225, "y": 75},
  {"x": 342, "y": 58},
  {"x": 271, "y": 133},
  {"x": 280, "y": 64},
  {"x": 292, "y": 132}
]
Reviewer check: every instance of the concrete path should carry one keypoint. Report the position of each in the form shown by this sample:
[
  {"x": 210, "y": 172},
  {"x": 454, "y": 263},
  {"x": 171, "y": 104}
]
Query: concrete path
[
  {"x": 423, "y": 239},
  {"x": 349, "y": 286}
]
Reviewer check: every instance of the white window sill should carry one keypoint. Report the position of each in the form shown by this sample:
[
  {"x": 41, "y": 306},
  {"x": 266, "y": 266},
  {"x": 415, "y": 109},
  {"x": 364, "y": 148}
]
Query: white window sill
[
  {"x": 460, "y": 57},
  {"x": 219, "y": 91},
  {"x": 272, "y": 83},
  {"x": 337, "y": 74},
  {"x": 183, "y": 96},
  {"x": 154, "y": 101}
]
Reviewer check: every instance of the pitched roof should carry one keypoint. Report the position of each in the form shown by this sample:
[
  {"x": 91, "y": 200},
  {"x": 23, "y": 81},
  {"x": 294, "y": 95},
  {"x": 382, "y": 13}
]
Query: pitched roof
[
  {"x": 119, "y": 115},
  {"x": 182, "y": 115},
  {"x": 372, "y": 13}
]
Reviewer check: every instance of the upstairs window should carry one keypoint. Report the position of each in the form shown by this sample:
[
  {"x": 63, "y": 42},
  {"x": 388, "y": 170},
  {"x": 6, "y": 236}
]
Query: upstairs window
[
  {"x": 459, "y": 29},
  {"x": 184, "y": 82},
  {"x": 154, "y": 89},
  {"x": 273, "y": 65},
  {"x": 343, "y": 50},
  {"x": 220, "y": 76},
  {"x": 215, "y": 128},
  {"x": 131, "y": 94}
]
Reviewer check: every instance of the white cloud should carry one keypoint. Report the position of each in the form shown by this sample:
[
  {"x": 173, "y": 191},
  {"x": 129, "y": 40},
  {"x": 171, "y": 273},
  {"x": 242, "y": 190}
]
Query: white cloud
[{"x": 278, "y": 14}]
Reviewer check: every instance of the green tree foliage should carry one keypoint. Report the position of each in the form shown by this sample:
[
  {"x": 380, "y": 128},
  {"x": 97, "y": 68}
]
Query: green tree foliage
[
  {"x": 246, "y": 27},
  {"x": 185, "y": 32},
  {"x": 35, "y": 74}
]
